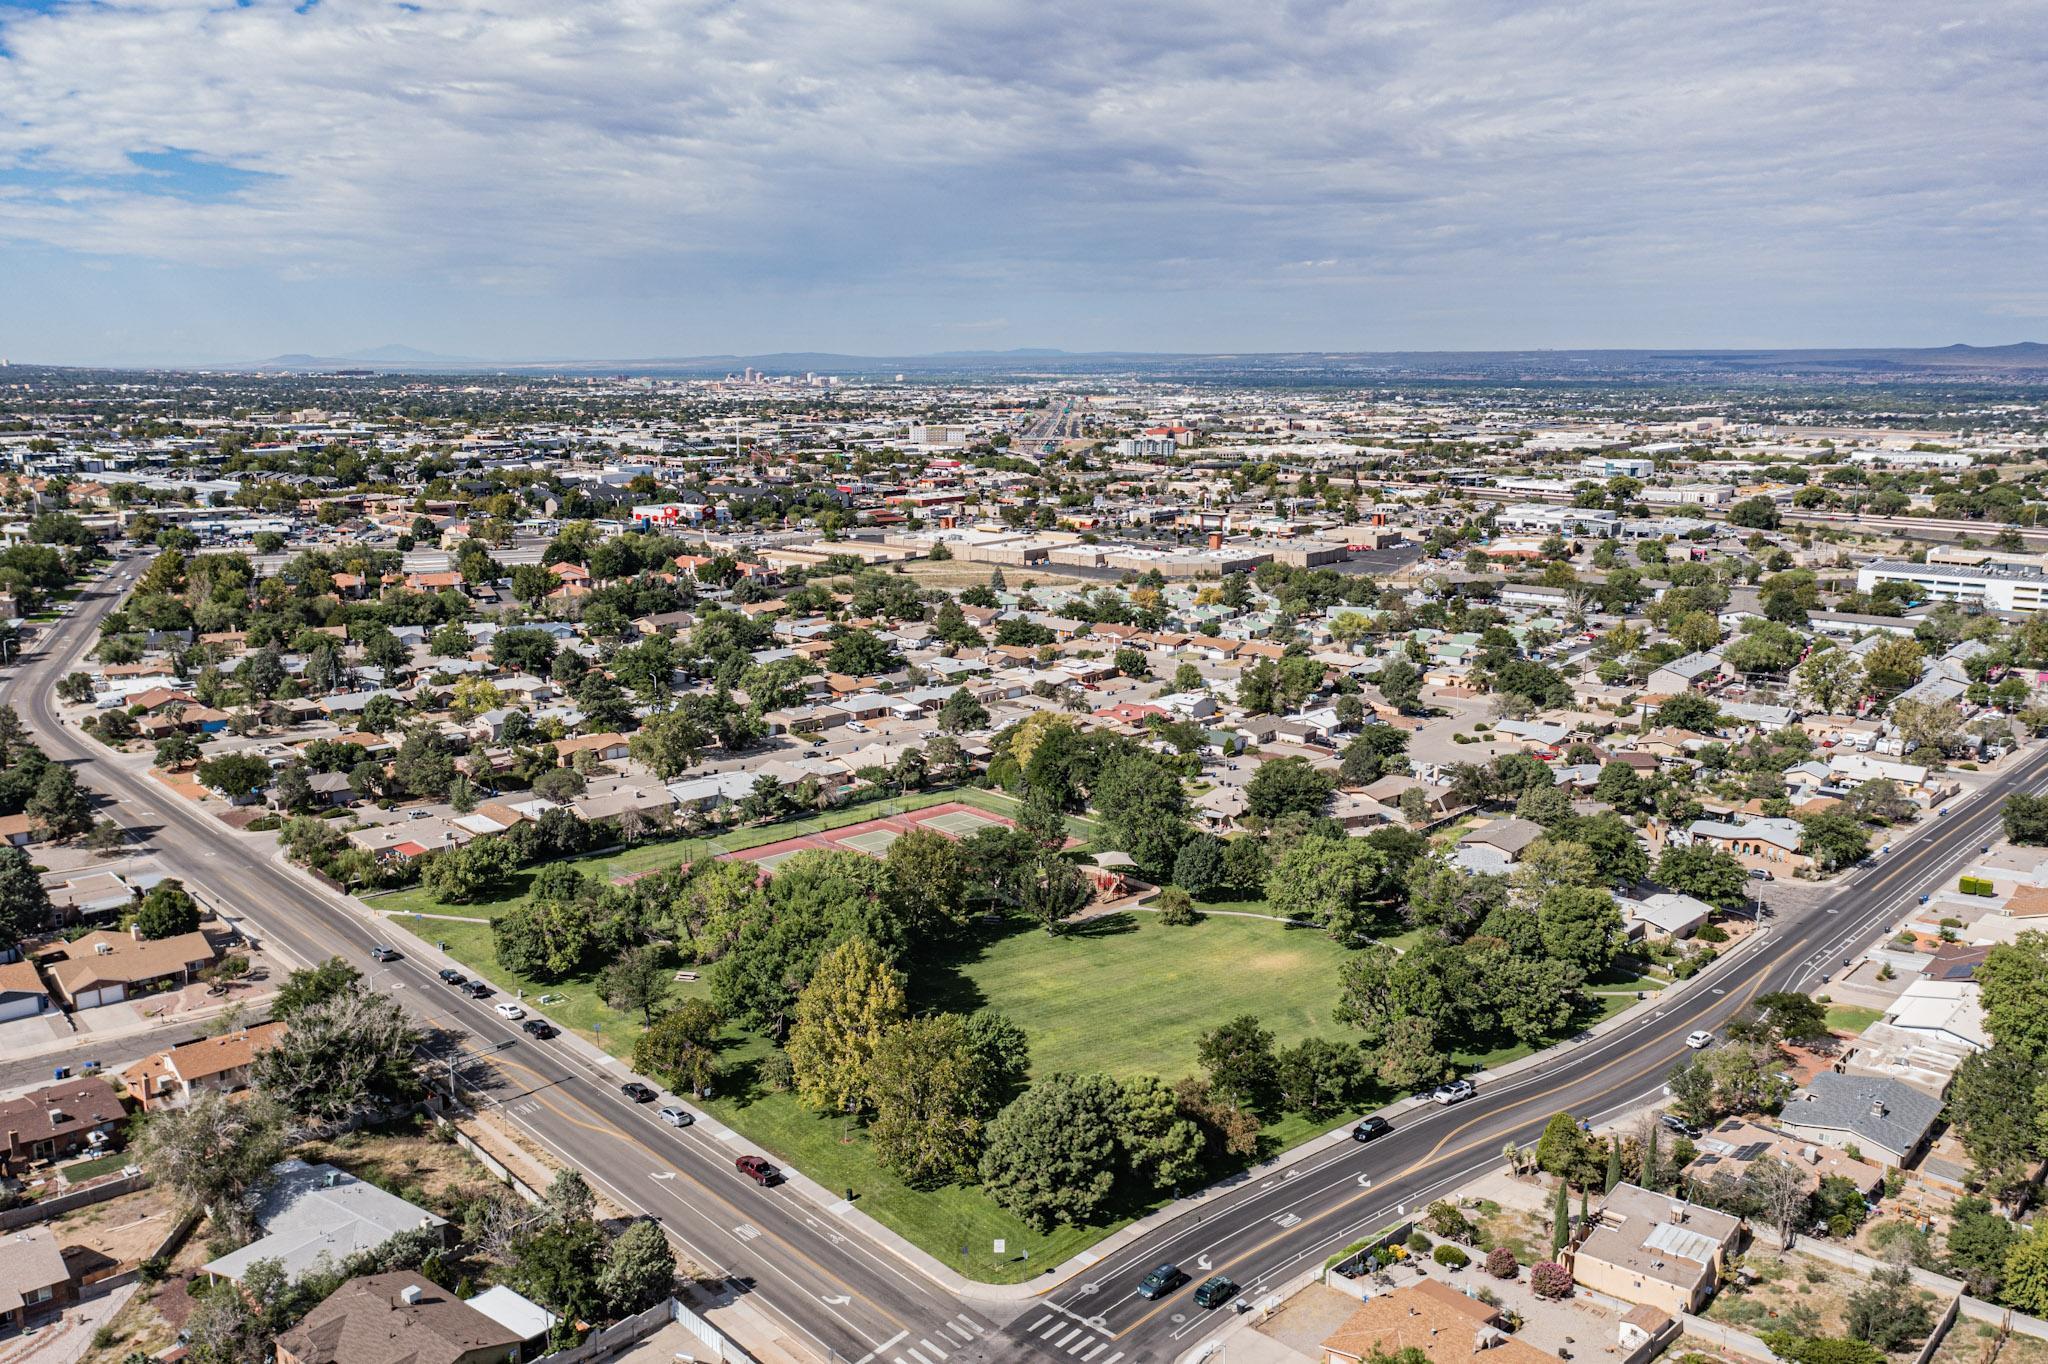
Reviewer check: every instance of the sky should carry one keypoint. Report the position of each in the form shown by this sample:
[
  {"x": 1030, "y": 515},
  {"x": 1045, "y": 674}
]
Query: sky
[{"x": 184, "y": 181}]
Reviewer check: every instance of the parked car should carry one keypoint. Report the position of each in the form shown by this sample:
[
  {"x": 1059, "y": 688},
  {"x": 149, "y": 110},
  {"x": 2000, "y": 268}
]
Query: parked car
[
  {"x": 1699, "y": 1037},
  {"x": 758, "y": 1170},
  {"x": 1671, "y": 1122},
  {"x": 539, "y": 1028},
  {"x": 475, "y": 989},
  {"x": 452, "y": 977},
  {"x": 1214, "y": 1292},
  {"x": 1371, "y": 1128},
  {"x": 507, "y": 1009},
  {"x": 1456, "y": 1092},
  {"x": 383, "y": 953},
  {"x": 637, "y": 1092},
  {"x": 1161, "y": 1281},
  {"x": 1759, "y": 874},
  {"x": 676, "y": 1117}
]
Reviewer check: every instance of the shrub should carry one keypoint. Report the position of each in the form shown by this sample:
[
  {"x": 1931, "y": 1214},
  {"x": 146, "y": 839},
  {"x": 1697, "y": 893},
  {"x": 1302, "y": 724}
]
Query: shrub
[
  {"x": 1447, "y": 1221},
  {"x": 1549, "y": 1279},
  {"x": 1502, "y": 1264},
  {"x": 1418, "y": 1243},
  {"x": 1841, "y": 1226},
  {"x": 1711, "y": 933},
  {"x": 1450, "y": 1257}
]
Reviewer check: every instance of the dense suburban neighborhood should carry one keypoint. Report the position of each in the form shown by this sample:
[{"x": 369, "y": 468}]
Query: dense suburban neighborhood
[{"x": 987, "y": 830}]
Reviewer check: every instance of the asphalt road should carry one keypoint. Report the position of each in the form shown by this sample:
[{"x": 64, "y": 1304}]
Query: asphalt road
[
  {"x": 1278, "y": 1226},
  {"x": 831, "y": 1294},
  {"x": 835, "y": 1296}
]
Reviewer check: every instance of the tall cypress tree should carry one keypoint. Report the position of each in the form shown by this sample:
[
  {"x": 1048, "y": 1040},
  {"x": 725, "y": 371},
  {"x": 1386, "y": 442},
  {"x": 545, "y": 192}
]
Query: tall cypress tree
[
  {"x": 1613, "y": 1164},
  {"x": 1560, "y": 1219}
]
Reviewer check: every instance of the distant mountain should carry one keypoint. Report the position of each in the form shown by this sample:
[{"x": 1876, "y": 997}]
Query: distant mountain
[{"x": 2025, "y": 361}]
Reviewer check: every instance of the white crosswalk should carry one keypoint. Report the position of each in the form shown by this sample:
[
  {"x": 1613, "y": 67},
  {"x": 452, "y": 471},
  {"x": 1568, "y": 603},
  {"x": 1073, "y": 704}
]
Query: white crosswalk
[
  {"x": 1061, "y": 1334},
  {"x": 937, "y": 1346}
]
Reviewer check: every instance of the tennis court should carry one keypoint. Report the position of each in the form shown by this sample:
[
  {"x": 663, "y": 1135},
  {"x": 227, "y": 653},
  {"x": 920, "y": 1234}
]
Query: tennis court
[
  {"x": 873, "y": 837},
  {"x": 874, "y": 842},
  {"x": 962, "y": 823}
]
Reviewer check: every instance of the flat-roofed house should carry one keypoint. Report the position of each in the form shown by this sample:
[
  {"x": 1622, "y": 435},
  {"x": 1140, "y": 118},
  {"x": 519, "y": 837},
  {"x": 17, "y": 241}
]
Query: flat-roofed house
[{"x": 1655, "y": 1250}]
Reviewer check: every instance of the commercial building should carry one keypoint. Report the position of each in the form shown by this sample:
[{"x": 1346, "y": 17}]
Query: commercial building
[{"x": 1994, "y": 588}]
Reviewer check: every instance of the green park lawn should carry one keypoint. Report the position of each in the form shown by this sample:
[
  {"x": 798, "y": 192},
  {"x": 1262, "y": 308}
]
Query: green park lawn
[{"x": 1124, "y": 995}]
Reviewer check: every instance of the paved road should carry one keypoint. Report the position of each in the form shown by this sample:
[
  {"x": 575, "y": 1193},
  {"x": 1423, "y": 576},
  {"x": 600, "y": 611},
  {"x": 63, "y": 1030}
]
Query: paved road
[
  {"x": 1278, "y": 1226},
  {"x": 831, "y": 1294},
  {"x": 835, "y": 1296}
]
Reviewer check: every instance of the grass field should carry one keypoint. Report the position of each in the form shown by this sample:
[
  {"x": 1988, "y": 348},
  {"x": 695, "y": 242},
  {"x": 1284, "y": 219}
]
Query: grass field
[
  {"x": 1848, "y": 1018},
  {"x": 1159, "y": 987},
  {"x": 656, "y": 854}
]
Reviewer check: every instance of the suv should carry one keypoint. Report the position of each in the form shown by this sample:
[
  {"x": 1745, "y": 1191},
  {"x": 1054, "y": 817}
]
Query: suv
[
  {"x": 1456, "y": 1092},
  {"x": 1161, "y": 1281},
  {"x": 637, "y": 1092},
  {"x": 538, "y": 1027},
  {"x": 1214, "y": 1292},
  {"x": 450, "y": 976},
  {"x": 1370, "y": 1128},
  {"x": 675, "y": 1117},
  {"x": 758, "y": 1170},
  {"x": 475, "y": 989},
  {"x": 382, "y": 953}
]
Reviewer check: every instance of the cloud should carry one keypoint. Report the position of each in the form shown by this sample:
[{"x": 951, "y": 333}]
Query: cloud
[{"x": 1573, "y": 156}]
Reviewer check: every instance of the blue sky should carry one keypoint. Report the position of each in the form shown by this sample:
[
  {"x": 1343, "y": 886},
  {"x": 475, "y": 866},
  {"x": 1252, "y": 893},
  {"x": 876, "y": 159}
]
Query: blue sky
[{"x": 190, "y": 181}]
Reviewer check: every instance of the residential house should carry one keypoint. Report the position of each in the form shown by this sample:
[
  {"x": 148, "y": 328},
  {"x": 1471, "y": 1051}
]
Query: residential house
[
  {"x": 396, "y": 1318},
  {"x": 1496, "y": 846},
  {"x": 1881, "y": 1118},
  {"x": 1683, "y": 674},
  {"x": 1446, "y": 1326},
  {"x": 22, "y": 992},
  {"x": 1655, "y": 1250},
  {"x": 108, "y": 967},
  {"x": 1666, "y": 914},
  {"x": 1735, "y": 1144},
  {"x": 1758, "y": 844},
  {"x": 57, "y": 1121},
  {"x": 310, "y": 1211},
  {"x": 172, "y": 1077},
  {"x": 33, "y": 1276}
]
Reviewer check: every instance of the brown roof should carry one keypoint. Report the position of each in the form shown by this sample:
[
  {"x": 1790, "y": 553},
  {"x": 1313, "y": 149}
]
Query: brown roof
[
  {"x": 82, "y": 966},
  {"x": 207, "y": 1056},
  {"x": 72, "y": 1106},
  {"x": 30, "y": 1260},
  {"x": 2027, "y": 902},
  {"x": 20, "y": 978},
  {"x": 1428, "y": 1316},
  {"x": 369, "y": 1321}
]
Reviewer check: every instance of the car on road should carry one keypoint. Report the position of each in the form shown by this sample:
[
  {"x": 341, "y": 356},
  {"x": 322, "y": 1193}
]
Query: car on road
[
  {"x": 637, "y": 1092},
  {"x": 382, "y": 953},
  {"x": 1699, "y": 1037},
  {"x": 1371, "y": 1128},
  {"x": 1161, "y": 1281},
  {"x": 758, "y": 1170},
  {"x": 1214, "y": 1292},
  {"x": 539, "y": 1028},
  {"x": 1759, "y": 874},
  {"x": 507, "y": 1009},
  {"x": 1456, "y": 1092},
  {"x": 475, "y": 989},
  {"x": 452, "y": 977},
  {"x": 676, "y": 1117}
]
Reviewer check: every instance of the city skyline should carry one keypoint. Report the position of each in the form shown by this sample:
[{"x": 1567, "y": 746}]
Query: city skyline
[{"x": 191, "y": 184}]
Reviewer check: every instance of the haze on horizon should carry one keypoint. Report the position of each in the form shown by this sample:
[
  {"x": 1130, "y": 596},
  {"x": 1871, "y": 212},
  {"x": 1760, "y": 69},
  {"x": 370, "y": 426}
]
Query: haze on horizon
[{"x": 192, "y": 182}]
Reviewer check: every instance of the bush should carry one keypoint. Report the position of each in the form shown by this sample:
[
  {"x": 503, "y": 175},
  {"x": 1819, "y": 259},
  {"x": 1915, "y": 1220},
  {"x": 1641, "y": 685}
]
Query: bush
[
  {"x": 1418, "y": 1244},
  {"x": 1450, "y": 1257},
  {"x": 1712, "y": 933},
  {"x": 1502, "y": 1264},
  {"x": 1549, "y": 1279},
  {"x": 1841, "y": 1226},
  {"x": 1449, "y": 1222},
  {"x": 1694, "y": 964}
]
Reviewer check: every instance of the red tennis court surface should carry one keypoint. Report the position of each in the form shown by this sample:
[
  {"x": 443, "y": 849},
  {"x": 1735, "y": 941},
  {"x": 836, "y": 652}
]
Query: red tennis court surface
[{"x": 873, "y": 836}]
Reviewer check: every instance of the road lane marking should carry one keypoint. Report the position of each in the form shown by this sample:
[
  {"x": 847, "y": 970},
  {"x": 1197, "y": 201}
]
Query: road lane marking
[
  {"x": 869, "y": 1357},
  {"x": 927, "y": 1343}
]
